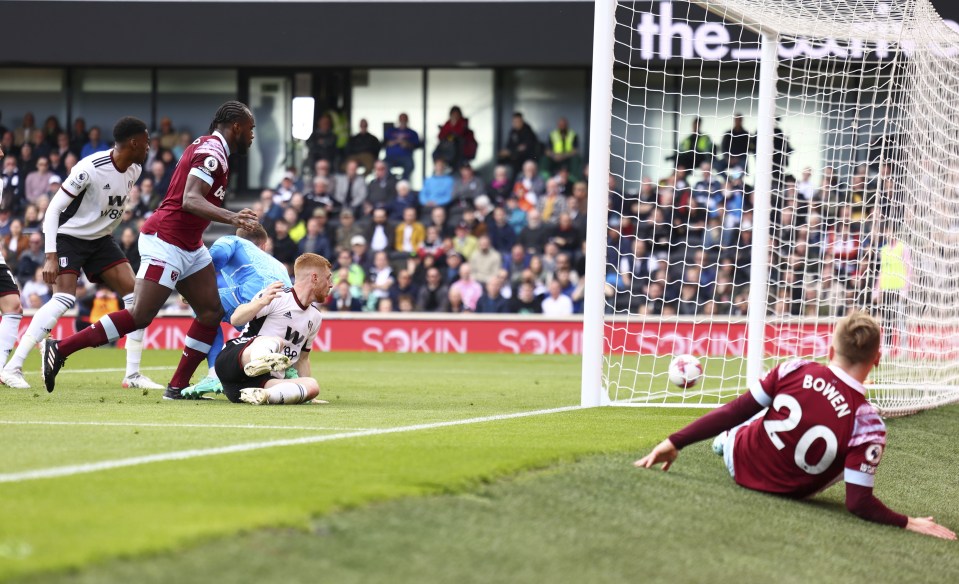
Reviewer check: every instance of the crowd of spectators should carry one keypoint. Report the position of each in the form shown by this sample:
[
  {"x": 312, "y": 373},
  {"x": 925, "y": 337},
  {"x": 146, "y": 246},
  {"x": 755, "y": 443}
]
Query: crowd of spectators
[{"x": 510, "y": 242}]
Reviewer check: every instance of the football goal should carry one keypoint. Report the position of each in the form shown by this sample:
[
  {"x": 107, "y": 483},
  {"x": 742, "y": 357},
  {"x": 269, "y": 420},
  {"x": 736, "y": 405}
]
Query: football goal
[{"x": 757, "y": 170}]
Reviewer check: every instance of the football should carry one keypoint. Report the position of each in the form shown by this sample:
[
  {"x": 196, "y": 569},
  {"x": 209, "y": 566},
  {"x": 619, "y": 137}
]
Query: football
[{"x": 685, "y": 371}]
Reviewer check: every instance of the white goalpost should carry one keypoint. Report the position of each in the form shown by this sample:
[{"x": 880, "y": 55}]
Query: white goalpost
[{"x": 758, "y": 169}]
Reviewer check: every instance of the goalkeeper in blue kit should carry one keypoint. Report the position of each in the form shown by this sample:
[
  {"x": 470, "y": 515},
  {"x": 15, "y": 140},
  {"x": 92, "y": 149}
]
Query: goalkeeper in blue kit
[{"x": 243, "y": 269}]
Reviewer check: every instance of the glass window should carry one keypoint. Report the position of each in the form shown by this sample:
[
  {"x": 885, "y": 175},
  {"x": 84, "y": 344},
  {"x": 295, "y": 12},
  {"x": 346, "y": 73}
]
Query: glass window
[
  {"x": 380, "y": 96},
  {"x": 39, "y": 91},
  {"x": 271, "y": 101},
  {"x": 472, "y": 91},
  {"x": 190, "y": 97},
  {"x": 102, "y": 96}
]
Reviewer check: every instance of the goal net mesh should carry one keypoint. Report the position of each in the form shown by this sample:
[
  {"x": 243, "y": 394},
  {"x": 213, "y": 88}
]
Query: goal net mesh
[{"x": 864, "y": 204}]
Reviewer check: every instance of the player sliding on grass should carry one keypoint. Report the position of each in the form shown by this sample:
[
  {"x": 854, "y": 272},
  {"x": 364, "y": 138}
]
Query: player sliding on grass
[
  {"x": 78, "y": 229},
  {"x": 172, "y": 252},
  {"x": 280, "y": 326},
  {"x": 817, "y": 429},
  {"x": 242, "y": 270}
]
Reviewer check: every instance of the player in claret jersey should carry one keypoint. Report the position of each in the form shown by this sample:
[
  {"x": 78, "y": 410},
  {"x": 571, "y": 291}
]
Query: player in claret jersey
[
  {"x": 818, "y": 428},
  {"x": 172, "y": 252}
]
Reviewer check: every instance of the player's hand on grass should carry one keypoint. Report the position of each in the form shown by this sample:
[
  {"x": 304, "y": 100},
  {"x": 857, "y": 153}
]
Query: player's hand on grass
[
  {"x": 665, "y": 453},
  {"x": 245, "y": 219},
  {"x": 50, "y": 269},
  {"x": 926, "y": 526}
]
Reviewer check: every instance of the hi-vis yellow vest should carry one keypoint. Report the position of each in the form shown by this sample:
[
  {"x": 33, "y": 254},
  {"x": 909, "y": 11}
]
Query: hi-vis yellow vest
[
  {"x": 561, "y": 145},
  {"x": 892, "y": 267}
]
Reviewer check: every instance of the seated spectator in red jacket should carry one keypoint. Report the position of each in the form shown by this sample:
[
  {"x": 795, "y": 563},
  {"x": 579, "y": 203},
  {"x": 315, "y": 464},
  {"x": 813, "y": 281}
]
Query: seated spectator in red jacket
[{"x": 457, "y": 143}]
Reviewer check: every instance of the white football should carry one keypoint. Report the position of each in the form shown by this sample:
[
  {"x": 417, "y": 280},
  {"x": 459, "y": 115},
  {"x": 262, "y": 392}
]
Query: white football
[{"x": 685, "y": 371}]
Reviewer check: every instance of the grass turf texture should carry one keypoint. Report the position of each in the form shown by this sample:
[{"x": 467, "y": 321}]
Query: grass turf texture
[{"x": 509, "y": 501}]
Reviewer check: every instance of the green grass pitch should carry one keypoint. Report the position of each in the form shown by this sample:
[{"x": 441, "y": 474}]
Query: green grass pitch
[{"x": 544, "y": 498}]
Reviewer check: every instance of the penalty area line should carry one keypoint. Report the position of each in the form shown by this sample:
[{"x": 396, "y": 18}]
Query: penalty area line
[
  {"x": 174, "y": 425},
  {"x": 75, "y": 469}
]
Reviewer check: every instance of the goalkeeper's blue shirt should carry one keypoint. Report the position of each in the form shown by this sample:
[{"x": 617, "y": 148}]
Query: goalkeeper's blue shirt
[{"x": 242, "y": 270}]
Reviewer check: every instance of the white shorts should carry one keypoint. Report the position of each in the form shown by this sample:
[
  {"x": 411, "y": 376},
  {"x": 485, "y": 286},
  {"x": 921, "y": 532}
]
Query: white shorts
[{"x": 167, "y": 264}]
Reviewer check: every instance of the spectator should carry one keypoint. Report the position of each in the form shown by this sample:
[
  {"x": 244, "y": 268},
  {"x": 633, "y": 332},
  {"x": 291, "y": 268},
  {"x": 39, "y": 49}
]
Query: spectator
[
  {"x": 482, "y": 210},
  {"x": 28, "y": 160},
  {"x": 284, "y": 248},
  {"x": 183, "y": 142},
  {"x": 438, "y": 218},
  {"x": 401, "y": 141},
  {"x": 22, "y": 134},
  {"x": 381, "y": 276},
  {"x": 515, "y": 216},
  {"x": 315, "y": 240},
  {"x": 39, "y": 180},
  {"x": 382, "y": 188},
  {"x": 363, "y": 147},
  {"x": 525, "y": 301},
  {"x": 695, "y": 148},
  {"x": 12, "y": 182},
  {"x": 455, "y": 304},
  {"x": 161, "y": 179},
  {"x": 468, "y": 289},
  {"x": 320, "y": 198},
  {"x": 501, "y": 187},
  {"x": 565, "y": 235},
  {"x": 40, "y": 145},
  {"x": 404, "y": 286},
  {"x": 15, "y": 242},
  {"x": 381, "y": 234},
  {"x": 361, "y": 253},
  {"x": 79, "y": 136},
  {"x": 343, "y": 300},
  {"x": 5, "y": 223},
  {"x": 534, "y": 236},
  {"x": 322, "y": 143},
  {"x": 521, "y": 144},
  {"x": 557, "y": 303},
  {"x": 485, "y": 262},
  {"x": 94, "y": 144},
  {"x": 404, "y": 199},
  {"x": 349, "y": 187},
  {"x": 434, "y": 296},
  {"x": 708, "y": 193},
  {"x": 456, "y": 141},
  {"x": 562, "y": 150},
  {"x": 347, "y": 269},
  {"x": 130, "y": 248},
  {"x": 492, "y": 300},
  {"x": 464, "y": 242},
  {"x": 782, "y": 150},
  {"x": 347, "y": 230},
  {"x": 552, "y": 204},
  {"x": 35, "y": 293},
  {"x": 410, "y": 234},
  {"x": 31, "y": 258},
  {"x": 465, "y": 190},
  {"x": 51, "y": 130},
  {"x": 529, "y": 186},
  {"x": 296, "y": 226},
  {"x": 31, "y": 219},
  {"x": 737, "y": 145},
  {"x": 437, "y": 189}
]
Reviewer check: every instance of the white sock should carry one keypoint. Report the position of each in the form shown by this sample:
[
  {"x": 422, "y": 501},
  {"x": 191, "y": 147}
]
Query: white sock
[
  {"x": 286, "y": 393},
  {"x": 43, "y": 323},
  {"x": 134, "y": 344},
  {"x": 9, "y": 326},
  {"x": 211, "y": 373}
]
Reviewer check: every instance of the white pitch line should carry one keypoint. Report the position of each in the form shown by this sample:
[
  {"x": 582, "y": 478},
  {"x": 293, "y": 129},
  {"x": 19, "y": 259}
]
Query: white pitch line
[
  {"x": 65, "y": 471},
  {"x": 172, "y": 425}
]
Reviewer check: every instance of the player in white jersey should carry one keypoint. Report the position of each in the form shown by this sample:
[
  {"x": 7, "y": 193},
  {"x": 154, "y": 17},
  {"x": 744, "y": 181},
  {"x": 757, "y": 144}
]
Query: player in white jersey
[
  {"x": 280, "y": 326},
  {"x": 10, "y": 306},
  {"x": 78, "y": 228}
]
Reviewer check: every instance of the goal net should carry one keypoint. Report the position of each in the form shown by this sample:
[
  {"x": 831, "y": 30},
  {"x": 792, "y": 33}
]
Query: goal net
[{"x": 774, "y": 166}]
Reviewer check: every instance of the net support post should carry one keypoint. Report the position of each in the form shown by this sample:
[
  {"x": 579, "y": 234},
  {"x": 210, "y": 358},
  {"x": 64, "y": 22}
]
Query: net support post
[
  {"x": 597, "y": 206},
  {"x": 762, "y": 197}
]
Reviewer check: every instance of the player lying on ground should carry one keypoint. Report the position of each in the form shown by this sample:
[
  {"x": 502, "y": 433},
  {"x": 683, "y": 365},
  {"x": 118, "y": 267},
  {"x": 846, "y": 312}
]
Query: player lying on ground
[
  {"x": 172, "y": 252},
  {"x": 280, "y": 325},
  {"x": 817, "y": 429},
  {"x": 10, "y": 306},
  {"x": 78, "y": 228},
  {"x": 242, "y": 270}
]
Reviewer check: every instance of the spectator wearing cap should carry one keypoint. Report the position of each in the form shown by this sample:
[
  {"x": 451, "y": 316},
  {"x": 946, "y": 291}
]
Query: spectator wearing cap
[
  {"x": 382, "y": 188},
  {"x": 485, "y": 262},
  {"x": 284, "y": 248},
  {"x": 404, "y": 199},
  {"x": 53, "y": 185},
  {"x": 410, "y": 234},
  {"x": 363, "y": 147},
  {"x": 464, "y": 242},
  {"x": 349, "y": 187},
  {"x": 467, "y": 288},
  {"x": 39, "y": 180},
  {"x": 381, "y": 233},
  {"x": 438, "y": 189},
  {"x": 347, "y": 230},
  {"x": 360, "y": 252}
]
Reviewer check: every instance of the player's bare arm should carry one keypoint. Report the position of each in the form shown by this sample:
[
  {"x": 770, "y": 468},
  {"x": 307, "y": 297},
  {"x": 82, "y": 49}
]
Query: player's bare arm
[
  {"x": 194, "y": 201},
  {"x": 302, "y": 366},
  {"x": 246, "y": 312}
]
